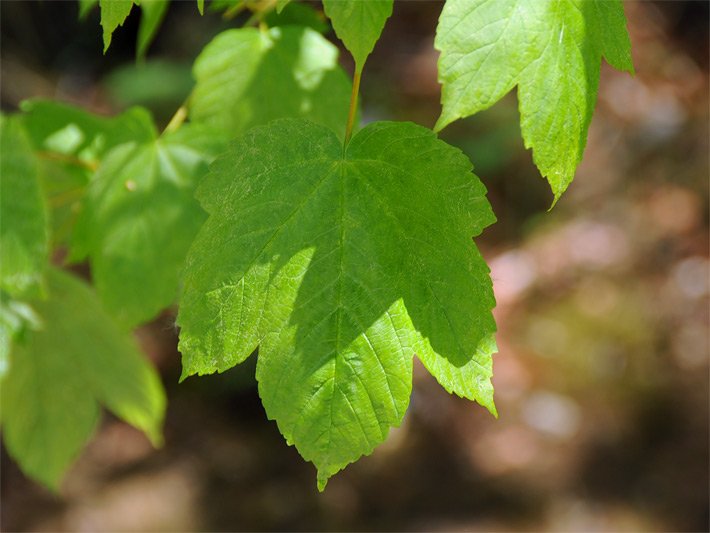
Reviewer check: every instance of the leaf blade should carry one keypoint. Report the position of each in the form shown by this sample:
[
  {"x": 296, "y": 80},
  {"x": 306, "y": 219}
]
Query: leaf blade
[
  {"x": 113, "y": 14},
  {"x": 359, "y": 24},
  {"x": 322, "y": 260},
  {"x": 246, "y": 78},
  {"x": 550, "y": 50}
]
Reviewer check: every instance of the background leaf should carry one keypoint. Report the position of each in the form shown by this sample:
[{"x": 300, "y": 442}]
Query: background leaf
[
  {"x": 24, "y": 235},
  {"x": 70, "y": 143},
  {"x": 551, "y": 49},
  {"x": 63, "y": 371},
  {"x": 247, "y": 77},
  {"x": 340, "y": 267},
  {"x": 139, "y": 218},
  {"x": 152, "y": 14}
]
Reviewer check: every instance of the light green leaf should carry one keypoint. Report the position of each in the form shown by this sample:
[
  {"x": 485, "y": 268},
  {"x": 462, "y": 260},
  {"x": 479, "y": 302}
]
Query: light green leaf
[
  {"x": 24, "y": 234},
  {"x": 358, "y": 23},
  {"x": 550, "y": 49},
  {"x": 138, "y": 220},
  {"x": 280, "y": 4},
  {"x": 340, "y": 267},
  {"x": 113, "y": 14},
  {"x": 246, "y": 77},
  {"x": 59, "y": 375},
  {"x": 152, "y": 14},
  {"x": 201, "y": 6}
]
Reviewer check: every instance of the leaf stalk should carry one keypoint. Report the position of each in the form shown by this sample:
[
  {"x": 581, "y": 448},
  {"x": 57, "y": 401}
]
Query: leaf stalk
[{"x": 353, "y": 105}]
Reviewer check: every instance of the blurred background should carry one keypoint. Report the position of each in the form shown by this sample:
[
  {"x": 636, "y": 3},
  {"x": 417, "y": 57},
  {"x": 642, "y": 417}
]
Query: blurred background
[{"x": 602, "y": 376}]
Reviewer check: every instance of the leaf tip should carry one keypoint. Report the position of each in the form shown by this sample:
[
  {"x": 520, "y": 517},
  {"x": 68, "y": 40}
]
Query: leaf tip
[{"x": 322, "y": 482}]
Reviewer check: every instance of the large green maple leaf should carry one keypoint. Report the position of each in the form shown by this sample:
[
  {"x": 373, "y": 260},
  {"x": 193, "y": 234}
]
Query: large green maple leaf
[
  {"x": 340, "y": 265},
  {"x": 550, "y": 49}
]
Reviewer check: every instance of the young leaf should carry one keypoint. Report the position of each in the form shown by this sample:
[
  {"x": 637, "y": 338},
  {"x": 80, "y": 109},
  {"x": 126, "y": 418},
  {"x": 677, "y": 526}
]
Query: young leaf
[
  {"x": 281, "y": 4},
  {"x": 152, "y": 14},
  {"x": 551, "y": 50},
  {"x": 59, "y": 375},
  {"x": 201, "y": 6},
  {"x": 138, "y": 220},
  {"x": 340, "y": 266},
  {"x": 247, "y": 77},
  {"x": 24, "y": 232},
  {"x": 113, "y": 14},
  {"x": 359, "y": 24}
]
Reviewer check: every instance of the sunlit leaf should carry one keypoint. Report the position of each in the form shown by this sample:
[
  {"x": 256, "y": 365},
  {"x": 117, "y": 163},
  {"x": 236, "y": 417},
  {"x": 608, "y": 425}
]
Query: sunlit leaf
[{"x": 340, "y": 266}]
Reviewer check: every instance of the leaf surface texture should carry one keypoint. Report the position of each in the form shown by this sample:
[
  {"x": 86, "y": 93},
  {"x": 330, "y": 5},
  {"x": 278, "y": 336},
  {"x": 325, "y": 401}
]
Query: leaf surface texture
[
  {"x": 340, "y": 266},
  {"x": 550, "y": 49}
]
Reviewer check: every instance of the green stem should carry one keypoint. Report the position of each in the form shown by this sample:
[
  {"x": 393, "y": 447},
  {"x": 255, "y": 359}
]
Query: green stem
[
  {"x": 177, "y": 120},
  {"x": 353, "y": 105}
]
